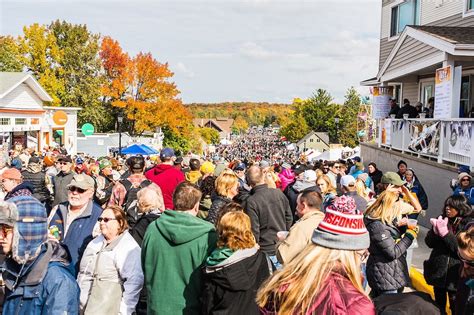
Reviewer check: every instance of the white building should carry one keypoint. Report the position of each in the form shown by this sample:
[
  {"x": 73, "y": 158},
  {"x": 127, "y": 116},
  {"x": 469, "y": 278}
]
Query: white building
[{"x": 24, "y": 120}]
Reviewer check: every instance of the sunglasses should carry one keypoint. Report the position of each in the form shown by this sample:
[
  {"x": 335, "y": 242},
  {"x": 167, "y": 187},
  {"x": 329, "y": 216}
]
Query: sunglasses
[
  {"x": 5, "y": 229},
  {"x": 79, "y": 190},
  {"x": 64, "y": 163},
  {"x": 100, "y": 219},
  {"x": 465, "y": 180}
]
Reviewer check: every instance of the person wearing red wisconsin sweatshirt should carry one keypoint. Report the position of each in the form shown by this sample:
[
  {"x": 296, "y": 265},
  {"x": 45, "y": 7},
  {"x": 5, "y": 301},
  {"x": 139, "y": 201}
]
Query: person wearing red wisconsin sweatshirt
[{"x": 166, "y": 176}]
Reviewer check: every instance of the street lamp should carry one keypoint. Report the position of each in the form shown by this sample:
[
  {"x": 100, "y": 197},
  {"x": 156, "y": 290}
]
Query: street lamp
[
  {"x": 120, "y": 120},
  {"x": 336, "y": 120}
]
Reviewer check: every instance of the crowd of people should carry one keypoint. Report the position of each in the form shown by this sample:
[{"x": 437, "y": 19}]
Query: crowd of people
[{"x": 251, "y": 230}]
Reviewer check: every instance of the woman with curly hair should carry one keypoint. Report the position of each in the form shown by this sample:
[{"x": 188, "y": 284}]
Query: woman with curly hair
[{"x": 235, "y": 269}]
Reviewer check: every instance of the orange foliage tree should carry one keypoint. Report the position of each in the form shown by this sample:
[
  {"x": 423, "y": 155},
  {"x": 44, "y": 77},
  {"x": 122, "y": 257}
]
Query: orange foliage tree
[{"x": 141, "y": 88}]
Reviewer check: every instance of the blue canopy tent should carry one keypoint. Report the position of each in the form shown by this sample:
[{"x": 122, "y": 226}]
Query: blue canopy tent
[{"x": 141, "y": 149}]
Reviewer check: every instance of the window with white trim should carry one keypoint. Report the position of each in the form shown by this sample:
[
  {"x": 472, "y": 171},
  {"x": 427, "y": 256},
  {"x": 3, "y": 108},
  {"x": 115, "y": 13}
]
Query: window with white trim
[
  {"x": 4, "y": 121},
  {"x": 403, "y": 14},
  {"x": 470, "y": 5},
  {"x": 20, "y": 121}
]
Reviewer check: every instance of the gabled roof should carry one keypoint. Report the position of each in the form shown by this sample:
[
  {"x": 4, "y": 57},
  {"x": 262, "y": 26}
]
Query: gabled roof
[
  {"x": 453, "y": 40},
  {"x": 222, "y": 124},
  {"x": 11, "y": 80},
  {"x": 321, "y": 135}
]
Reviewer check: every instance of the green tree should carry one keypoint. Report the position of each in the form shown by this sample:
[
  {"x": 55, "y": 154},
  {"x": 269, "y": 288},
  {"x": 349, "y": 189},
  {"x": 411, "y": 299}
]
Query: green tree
[
  {"x": 348, "y": 122},
  {"x": 79, "y": 70},
  {"x": 295, "y": 128},
  {"x": 210, "y": 135},
  {"x": 10, "y": 55}
]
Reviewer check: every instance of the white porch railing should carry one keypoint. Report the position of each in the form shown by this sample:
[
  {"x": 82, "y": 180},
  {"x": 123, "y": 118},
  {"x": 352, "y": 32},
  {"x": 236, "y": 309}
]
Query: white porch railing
[{"x": 445, "y": 140}]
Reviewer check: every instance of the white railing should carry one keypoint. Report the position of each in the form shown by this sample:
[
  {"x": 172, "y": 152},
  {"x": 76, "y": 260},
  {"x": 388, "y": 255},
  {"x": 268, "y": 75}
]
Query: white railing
[{"x": 445, "y": 140}]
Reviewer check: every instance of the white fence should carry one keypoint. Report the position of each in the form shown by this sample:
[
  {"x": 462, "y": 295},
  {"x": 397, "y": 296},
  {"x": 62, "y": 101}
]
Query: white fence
[{"x": 446, "y": 140}]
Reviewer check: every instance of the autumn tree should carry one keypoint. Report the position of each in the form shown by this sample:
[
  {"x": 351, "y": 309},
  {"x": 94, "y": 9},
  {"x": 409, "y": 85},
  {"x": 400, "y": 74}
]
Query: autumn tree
[
  {"x": 10, "y": 54},
  {"x": 295, "y": 128},
  {"x": 41, "y": 56},
  {"x": 209, "y": 135},
  {"x": 240, "y": 124}
]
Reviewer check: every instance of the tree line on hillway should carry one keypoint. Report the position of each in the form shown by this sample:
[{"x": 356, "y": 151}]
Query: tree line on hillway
[{"x": 81, "y": 69}]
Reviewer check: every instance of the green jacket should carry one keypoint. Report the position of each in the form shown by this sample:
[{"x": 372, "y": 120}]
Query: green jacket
[{"x": 175, "y": 247}]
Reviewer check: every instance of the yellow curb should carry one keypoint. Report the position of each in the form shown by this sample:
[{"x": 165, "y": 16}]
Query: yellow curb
[{"x": 419, "y": 283}]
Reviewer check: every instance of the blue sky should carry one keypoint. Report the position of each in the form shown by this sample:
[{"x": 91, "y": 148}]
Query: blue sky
[{"x": 249, "y": 50}]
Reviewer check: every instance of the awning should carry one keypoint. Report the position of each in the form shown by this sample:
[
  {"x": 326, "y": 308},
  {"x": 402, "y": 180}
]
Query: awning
[{"x": 141, "y": 149}]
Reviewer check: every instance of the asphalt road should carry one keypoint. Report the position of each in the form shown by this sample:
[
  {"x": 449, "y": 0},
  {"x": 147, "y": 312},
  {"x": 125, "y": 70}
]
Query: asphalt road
[{"x": 421, "y": 253}]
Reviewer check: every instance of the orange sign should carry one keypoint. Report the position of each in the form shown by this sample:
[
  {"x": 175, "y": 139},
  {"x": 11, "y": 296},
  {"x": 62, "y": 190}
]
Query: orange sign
[
  {"x": 60, "y": 118},
  {"x": 443, "y": 75}
]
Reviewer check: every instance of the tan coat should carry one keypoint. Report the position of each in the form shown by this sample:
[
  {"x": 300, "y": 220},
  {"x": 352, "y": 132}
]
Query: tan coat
[{"x": 299, "y": 236}]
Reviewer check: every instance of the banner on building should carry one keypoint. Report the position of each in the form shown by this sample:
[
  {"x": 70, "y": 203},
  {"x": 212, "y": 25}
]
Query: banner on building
[
  {"x": 386, "y": 131},
  {"x": 424, "y": 137},
  {"x": 443, "y": 92},
  {"x": 381, "y": 101},
  {"x": 460, "y": 133}
]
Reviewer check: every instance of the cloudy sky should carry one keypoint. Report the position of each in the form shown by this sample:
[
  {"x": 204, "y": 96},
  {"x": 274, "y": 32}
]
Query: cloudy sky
[{"x": 229, "y": 50}]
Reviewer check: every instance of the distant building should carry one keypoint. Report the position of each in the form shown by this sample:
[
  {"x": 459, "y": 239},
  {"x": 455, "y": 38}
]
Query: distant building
[
  {"x": 222, "y": 125},
  {"x": 25, "y": 121},
  {"x": 318, "y": 141}
]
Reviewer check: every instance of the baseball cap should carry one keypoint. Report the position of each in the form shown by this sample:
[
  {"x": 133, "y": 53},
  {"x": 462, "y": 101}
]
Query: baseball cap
[
  {"x": 104, "y": 163},
  {"x": 392, "y": 178},
  {"x": 79, "y": 160},
  {"x": 82, "y": 181},
  {"x": 64, "y": 158},
  {"x": 240, "y": 167},
  {"x": 34, "y": 160},
  {"x": 342, "y": 227},
  {"x": 11, "y": 173},
  {"x": 166, "y": 153},
  {"x": 348, "y": 180}
]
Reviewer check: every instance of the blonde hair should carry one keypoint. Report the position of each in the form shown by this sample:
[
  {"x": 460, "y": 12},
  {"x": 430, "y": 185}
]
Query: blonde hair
[
  {"x": 385, "y": 208},
  {"x": 293, "y": 289},
  {"x": 331, "y": 188},
  {"x": 235, "y": 231},
  {"x": 149, "y": 199},
  {"x": 94, "y": 169},
  {"x": 361, "y": 189},
  {"x": 225, "y": 182}
]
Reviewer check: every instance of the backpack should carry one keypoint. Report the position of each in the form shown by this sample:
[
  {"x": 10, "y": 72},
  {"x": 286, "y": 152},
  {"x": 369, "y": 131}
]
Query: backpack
[{"x": 130, "y": 205}]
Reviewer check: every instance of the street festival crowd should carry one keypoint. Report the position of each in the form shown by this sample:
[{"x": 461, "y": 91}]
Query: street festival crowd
[{"x": 252, "y": 228}]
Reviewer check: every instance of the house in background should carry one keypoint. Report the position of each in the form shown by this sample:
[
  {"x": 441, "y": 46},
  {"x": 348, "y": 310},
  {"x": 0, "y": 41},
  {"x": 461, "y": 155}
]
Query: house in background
[
  {"x": 222, "y": 125},
  {"x": 318, "y": 141},
  {"x": 25, "y": 121},
  {"x": 416, "y": 38}
]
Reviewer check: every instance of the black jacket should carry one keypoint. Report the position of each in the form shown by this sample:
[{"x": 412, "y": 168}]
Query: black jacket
[
  {"x": 292, "y": 191},
  {"x": 407, "y": 109},
  {"x": 139, "y": 229},
  {"x": 376, "y": 177},
  {"x": 215, "y": 208},
  {"x": 387, "y": 267},
  {"x": 60, "y": 183},
  {"x": 269, "y": 212},
  {"x": 233, "y": 289},
  {"x": 38, "y": 180},
  {"x": 442, "y": 268}
]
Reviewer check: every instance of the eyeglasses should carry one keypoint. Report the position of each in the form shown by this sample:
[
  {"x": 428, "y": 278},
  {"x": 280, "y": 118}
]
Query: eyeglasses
[
  {"x": 79, "y": 190},
  {"x": 5, "y": 229},
  {"x": 100, "y": 219},
  {"x": 64, "y": 163}
]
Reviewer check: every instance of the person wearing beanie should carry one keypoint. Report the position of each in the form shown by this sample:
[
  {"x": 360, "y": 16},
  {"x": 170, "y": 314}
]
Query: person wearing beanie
[
  {"x": 325, "y": 278},
  {"x": 104, "y": 182},
  {"x": 387, "y": 269},
  {"x": 36, "y": 271},
  {"x": 465, "y": 188}
]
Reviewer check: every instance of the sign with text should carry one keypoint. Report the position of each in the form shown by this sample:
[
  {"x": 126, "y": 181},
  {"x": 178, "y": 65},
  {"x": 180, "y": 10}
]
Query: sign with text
[
  {"x": 381, "y": 101},
  {"x": 443, "y": 92}
]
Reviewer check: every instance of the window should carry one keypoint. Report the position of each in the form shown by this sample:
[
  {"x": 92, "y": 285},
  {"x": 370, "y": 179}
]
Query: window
[
  {"x": 470, "y": 5},
  {"x": 319, "y": 140},
  {"x": 466, "y": 101},
  {"x": 406, "y": 13},
  {"x": 4, "y": 121},
  {"x": 310, "y": 140},
  {"x": 20, "y": 121},
  {"x": 35, "y": 121}
]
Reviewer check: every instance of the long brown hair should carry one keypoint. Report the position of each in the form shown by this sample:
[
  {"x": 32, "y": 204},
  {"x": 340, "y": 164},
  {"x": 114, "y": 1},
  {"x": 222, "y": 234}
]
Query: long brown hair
[{"x": 293, "y": 289}]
